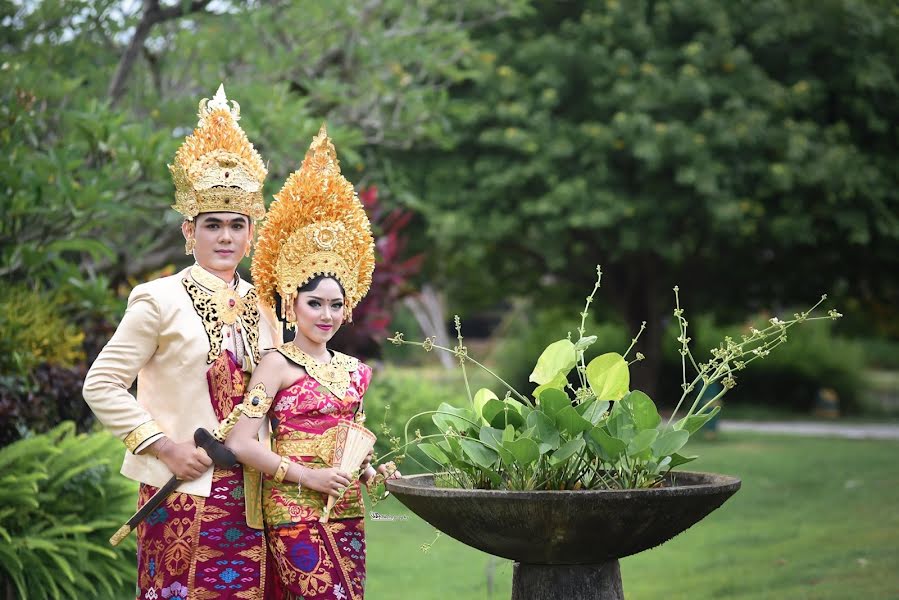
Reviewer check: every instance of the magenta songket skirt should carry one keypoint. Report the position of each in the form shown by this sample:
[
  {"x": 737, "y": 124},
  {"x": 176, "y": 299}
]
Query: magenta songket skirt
[{"x": 320, "y": 561}]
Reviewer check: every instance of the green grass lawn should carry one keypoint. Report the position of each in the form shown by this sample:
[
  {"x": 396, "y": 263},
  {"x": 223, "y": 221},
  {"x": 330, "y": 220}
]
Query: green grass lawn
[{"x": 815, "y": 518}]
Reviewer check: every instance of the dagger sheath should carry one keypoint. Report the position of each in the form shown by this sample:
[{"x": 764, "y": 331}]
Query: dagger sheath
[{"x": 213, "y": 444}]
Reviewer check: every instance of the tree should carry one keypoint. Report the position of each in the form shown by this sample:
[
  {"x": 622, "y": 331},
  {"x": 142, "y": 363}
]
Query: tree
[
  {"x": 98, "y": 94},
  {"x": 745, "y": 150}
]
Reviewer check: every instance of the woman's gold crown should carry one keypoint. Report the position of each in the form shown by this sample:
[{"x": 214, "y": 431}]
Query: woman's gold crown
[{"x": 316, "y": 226}]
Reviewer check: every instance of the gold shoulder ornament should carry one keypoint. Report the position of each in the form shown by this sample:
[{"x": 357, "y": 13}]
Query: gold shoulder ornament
[{"x": 255, "y": 404}]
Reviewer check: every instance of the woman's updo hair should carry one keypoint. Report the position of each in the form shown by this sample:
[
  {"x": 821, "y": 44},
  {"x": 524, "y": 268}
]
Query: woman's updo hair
[{"x": 312, "y": 284}]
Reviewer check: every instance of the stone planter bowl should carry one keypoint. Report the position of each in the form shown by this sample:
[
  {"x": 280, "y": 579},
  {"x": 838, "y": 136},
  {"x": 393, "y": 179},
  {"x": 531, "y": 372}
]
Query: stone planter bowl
[{"x": 566, "y": 528}]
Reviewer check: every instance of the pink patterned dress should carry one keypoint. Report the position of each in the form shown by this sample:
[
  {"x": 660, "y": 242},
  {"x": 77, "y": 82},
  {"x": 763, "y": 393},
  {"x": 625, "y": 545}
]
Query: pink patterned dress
[{"x": 314, "y": 560}]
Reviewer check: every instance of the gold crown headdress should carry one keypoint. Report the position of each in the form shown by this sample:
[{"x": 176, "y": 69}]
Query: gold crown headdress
[
  {"x": 217, "y": 169},
  {"x": 316, "y": 226}
]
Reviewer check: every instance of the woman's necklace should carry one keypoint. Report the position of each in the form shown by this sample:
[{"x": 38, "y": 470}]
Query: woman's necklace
[{"x": 334, "y": 374}]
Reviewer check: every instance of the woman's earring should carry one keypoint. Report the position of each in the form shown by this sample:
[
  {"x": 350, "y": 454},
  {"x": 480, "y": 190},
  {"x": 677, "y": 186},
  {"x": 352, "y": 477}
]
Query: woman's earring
[
  {"x": 189, "y": 245},
  {"x": 249, "y": 247}
]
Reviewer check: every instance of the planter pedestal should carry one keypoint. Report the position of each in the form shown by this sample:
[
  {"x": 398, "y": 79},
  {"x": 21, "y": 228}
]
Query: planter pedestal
[{"x": 572, "y": 582}]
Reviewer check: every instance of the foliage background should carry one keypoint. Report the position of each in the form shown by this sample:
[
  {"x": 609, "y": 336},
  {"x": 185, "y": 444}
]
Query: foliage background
[{"x": 744, "y": 150}]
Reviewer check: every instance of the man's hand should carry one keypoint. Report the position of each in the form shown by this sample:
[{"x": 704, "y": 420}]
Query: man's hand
[{"x": 184, "y": 460}]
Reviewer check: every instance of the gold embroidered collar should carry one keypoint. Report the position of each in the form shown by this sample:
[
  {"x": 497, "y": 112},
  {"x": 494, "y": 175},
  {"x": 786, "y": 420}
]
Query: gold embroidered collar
[
  {"x": 210, "y": 281},
  {"x": 219, "y": 304},
  {"x": 334, "y": 375}
]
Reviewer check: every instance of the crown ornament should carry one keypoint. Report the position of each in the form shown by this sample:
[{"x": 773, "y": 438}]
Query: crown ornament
[
  {"x": 316, "y": 226},
  {"x": 216, "y": 169}
]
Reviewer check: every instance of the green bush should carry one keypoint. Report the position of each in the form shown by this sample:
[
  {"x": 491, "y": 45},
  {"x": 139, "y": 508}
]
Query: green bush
[
  {"x": 881, "y": 353},
  {"x": 62, "y": 498},
  {"x": 35, "y": 331},
  {"x": 41, "y": 363}
]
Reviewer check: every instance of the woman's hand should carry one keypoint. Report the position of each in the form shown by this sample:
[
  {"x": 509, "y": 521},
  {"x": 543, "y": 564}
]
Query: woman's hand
[
  {"x": 367, "y": 474},
  {"x": 366, "y": 462},
  {"x": 329, "y": 481},
  {"x": 389, "y": 471}
]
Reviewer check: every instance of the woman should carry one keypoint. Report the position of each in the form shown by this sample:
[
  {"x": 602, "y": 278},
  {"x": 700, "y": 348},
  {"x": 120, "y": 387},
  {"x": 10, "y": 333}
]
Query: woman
[{"x": 313, "y": 262}]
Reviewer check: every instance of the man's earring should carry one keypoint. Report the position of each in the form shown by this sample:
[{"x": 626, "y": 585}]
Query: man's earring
[
  {"x": 249, "y": 247},
  {"x": 189, "y": 245}
]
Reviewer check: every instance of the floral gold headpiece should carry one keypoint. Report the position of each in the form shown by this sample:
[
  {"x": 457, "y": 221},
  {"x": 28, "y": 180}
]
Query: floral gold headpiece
[
  {"x": 316, "y": 226},
  {"x": 216, "y": 169}
]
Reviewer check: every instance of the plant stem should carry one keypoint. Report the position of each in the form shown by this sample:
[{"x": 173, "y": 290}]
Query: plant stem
[
  {"x": 635, "y": 339},
  {"x": 476, "y": 363}
]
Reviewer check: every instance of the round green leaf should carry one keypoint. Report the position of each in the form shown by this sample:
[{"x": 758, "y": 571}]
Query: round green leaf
[
  {"x": 480, "y": 454},
  {"x": 670, "y": 442},
  {"x": 435, "y": 454},
  {"x": 593, "y": 410},
  {"x": 524, "y": 450},
  {"x": 491, "y": 408},
  {"x": 507, "y": 415},
  {"x": 570, "y": 422},
  {"x": 545, "y": 431},
  {"x": 493, "y": 438},
  {"x": 612, "y": 447},
  {"x": 552, "y": 401},
  {"x": 642, "y": 410},
  {"x": 566, "y": 451},
  {"x": 558, "y": 357},
  {"x": 608, "y": 376},
  {"x": 558, "y": 382},
  {"x": 480, "y": 399},
  {"x": 694, "y": 422},
  {"x": 677, "y": 460},
  {"x": 642, "y": 441}
]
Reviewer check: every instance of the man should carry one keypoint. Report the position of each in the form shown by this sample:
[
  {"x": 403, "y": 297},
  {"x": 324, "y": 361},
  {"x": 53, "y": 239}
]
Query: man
[{"x": 191, "y": 341}]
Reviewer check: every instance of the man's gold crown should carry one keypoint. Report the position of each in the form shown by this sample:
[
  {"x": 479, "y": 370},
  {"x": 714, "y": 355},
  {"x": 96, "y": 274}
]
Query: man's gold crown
[{"x": 217, "y": 169}]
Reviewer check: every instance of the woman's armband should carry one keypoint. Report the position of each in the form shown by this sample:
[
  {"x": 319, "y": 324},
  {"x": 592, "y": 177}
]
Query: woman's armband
[{"x": 256, "y": 402}]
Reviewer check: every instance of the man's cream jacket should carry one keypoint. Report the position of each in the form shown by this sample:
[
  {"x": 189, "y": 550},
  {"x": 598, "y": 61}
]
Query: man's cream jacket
[{"x": 161, "y": 341}]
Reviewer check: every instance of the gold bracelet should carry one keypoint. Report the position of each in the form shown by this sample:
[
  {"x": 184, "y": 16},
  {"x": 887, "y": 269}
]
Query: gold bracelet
[
  {"x": 300, "y": 481},
  {"x": 281, "y": 471}
]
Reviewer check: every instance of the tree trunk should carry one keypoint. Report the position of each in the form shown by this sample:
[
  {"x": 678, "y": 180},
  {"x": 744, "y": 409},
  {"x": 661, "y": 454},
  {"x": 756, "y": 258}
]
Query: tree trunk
[
  {"x": 639, "y": 296},
  {"x": 152, "y": 14},
  {"x": 428, "y": 309}
]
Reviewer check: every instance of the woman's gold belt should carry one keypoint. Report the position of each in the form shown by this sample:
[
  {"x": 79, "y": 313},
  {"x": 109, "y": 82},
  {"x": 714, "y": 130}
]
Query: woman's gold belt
[{"x": 300, "y": 443}]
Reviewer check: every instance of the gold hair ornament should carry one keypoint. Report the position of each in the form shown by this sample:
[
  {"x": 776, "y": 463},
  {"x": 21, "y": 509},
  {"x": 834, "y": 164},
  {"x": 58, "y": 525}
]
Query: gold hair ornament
[{"x": 316, "y": 226}]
